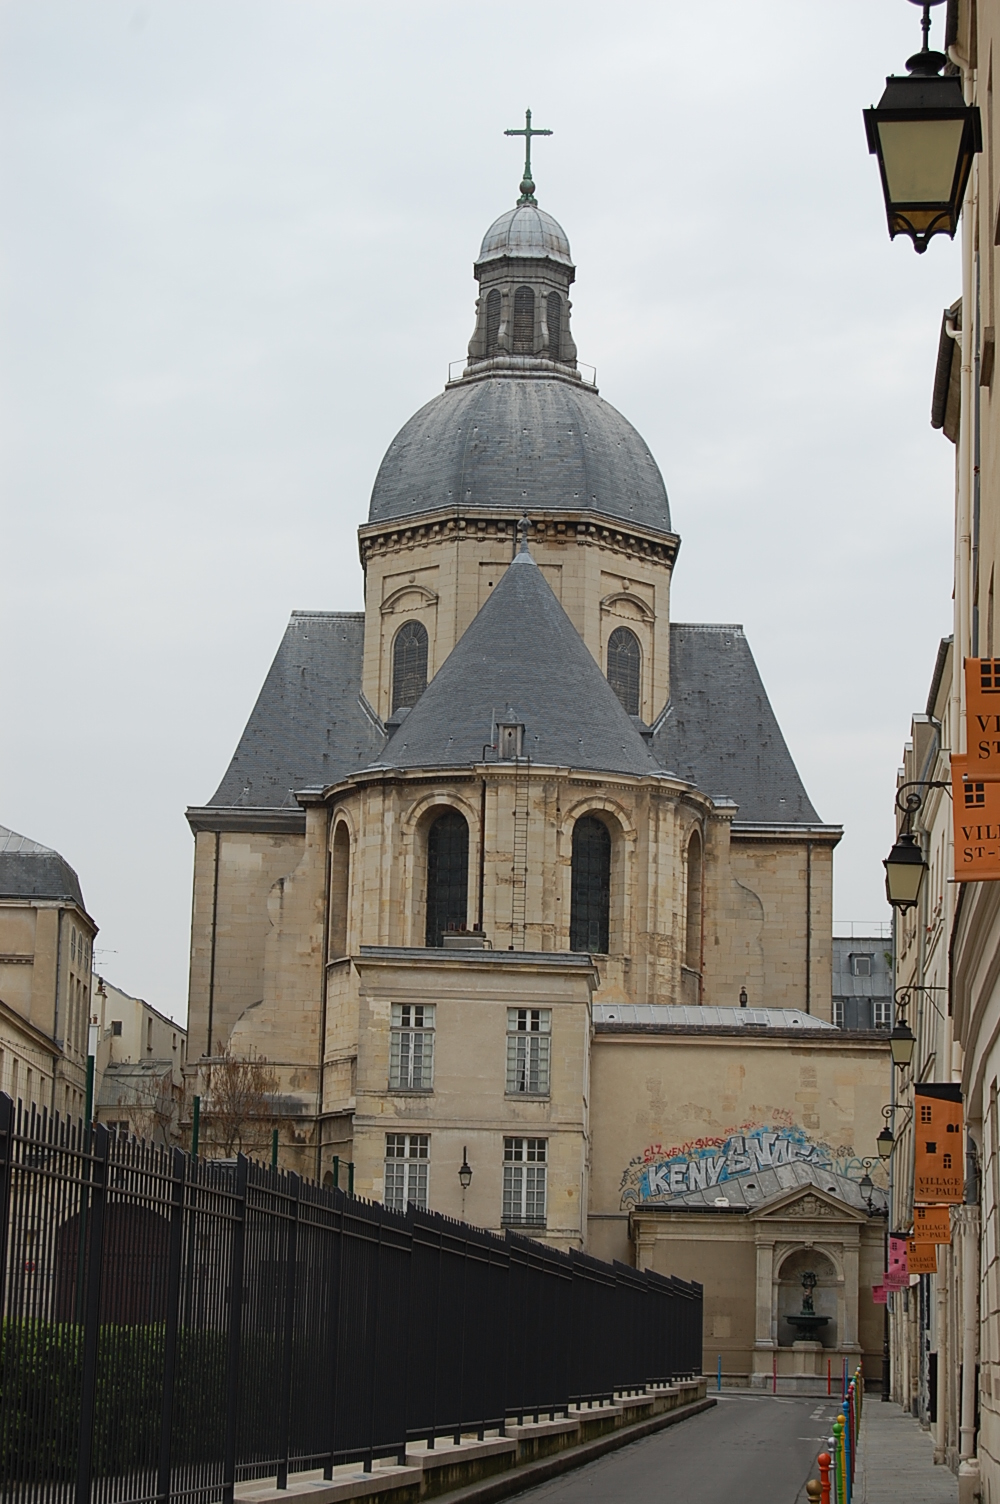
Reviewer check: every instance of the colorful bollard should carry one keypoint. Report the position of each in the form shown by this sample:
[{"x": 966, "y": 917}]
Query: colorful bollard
[{"x": 823, "y": 1462}]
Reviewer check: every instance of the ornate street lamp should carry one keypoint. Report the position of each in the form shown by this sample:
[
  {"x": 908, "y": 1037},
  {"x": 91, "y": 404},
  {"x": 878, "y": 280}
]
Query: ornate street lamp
[
  {"x": 925, "y": 136},
  {"x": 901, "y": 1043},
  {"x": 465, "y": 1171},
  {"x": 885, "y": 1143},
  {"x": 905, "y": 865}
]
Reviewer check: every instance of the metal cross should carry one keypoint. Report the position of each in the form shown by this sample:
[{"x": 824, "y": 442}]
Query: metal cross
[{"x": 527, "y": 186}]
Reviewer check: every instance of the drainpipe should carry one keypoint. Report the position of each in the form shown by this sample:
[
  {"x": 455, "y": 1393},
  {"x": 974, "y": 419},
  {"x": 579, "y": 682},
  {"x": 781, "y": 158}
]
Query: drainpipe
[
  {"x": 809, "y": 926},
  {"x": 211, "y": 963},
  {"x": 968, "y": 1465}
]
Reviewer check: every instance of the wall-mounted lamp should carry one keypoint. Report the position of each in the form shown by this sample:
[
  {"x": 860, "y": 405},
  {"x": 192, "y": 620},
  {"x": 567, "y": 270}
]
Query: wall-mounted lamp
[
  {"x": 905, "y": 865},
  {"x": 743, "y": 997},
  {"x": 924, "y": 136},
  {"x": 465, "y": 1171}
]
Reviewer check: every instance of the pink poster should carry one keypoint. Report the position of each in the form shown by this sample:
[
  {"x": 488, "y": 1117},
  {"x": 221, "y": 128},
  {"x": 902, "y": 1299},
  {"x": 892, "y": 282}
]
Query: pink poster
[
  {"x": 879, "y": 1294},
  {"x": 897, "y": 1276}
]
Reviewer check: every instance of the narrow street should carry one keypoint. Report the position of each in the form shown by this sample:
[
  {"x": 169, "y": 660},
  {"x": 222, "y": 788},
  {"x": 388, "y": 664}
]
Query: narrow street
[{"x": 754, "y": 1448}]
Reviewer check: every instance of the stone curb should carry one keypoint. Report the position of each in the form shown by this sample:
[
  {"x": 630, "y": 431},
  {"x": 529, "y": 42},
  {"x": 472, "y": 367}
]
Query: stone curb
[{"x": 522, "y": 1478}]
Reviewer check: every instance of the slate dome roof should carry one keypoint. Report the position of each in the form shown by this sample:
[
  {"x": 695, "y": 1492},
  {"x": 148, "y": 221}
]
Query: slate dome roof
[
  {"x": 518, "y": 444},
  {"x": 525, "y": 231}
]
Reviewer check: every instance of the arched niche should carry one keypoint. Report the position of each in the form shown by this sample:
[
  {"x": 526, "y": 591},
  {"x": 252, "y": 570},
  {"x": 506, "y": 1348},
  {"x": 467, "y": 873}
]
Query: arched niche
[{"x": 789, "y": 1293}]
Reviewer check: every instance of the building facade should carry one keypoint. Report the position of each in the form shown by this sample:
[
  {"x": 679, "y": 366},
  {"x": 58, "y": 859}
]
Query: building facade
[
  {"x": 490, "y": 853},
  {"x": 139, "y": 1057},
  {"x": 46, "y": 950},
  {"x": 863, "y": 980},
  {"x": 946, "y": 1326}
]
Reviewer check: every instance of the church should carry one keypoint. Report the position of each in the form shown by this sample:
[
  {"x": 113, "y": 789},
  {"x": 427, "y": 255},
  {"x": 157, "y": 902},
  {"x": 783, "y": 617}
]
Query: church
[{"x": 513, "y": 881}]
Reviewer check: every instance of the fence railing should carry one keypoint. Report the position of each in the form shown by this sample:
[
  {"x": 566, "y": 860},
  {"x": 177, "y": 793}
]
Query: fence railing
[{"x": 172, "y": 1327}]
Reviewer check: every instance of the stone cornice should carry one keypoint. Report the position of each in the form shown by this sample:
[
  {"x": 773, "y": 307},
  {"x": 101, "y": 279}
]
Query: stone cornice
[
  {"x": 586, "y": 527},
  {"x": 502, "y": 772},
  {"x": 854, "y": 1041},
  {"x": 246, "y": 818},
  {"x": 752, "y": 830}
]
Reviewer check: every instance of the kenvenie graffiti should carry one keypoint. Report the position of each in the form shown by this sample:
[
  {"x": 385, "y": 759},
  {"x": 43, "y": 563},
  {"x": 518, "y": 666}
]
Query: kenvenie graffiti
[{"x": 659, "y": 1174}]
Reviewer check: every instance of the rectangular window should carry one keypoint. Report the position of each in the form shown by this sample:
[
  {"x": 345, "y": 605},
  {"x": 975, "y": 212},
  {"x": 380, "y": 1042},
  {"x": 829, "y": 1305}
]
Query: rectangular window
[
  {"x": 116, "y": 1027},
  {"x": 881, "y": 1009},
  {"x": 529, "y": 1037},
  {"x": 838, "y": 1012},
  {"x": 861, "y": 966},
  {"x": 411, "y": 1047},
  {"x": 524, "y": 1181},
  {"x": 406, "y": 1167}
]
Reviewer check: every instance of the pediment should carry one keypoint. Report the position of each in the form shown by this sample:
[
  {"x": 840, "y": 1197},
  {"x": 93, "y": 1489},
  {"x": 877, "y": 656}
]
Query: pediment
[{"x": 807, "y": 1203}]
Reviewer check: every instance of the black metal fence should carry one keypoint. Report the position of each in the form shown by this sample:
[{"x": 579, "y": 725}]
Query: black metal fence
[{"x": 172, "y": 1327}]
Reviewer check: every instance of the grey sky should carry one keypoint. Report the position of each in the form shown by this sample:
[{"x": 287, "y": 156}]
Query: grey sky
[{"x": 237, "y": 249}]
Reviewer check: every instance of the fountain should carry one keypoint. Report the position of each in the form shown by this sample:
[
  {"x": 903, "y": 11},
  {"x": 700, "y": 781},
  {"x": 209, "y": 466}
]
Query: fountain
[{"x": 807, "y": 1322}]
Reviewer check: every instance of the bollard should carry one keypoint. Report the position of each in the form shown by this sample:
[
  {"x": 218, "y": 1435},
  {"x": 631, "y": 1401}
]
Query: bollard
[
  {"x": 823, "y": 1463},
  {"x": 829, "y": 1376},
  {"x": 814, "y": 1491},
  {"x": 774, "y": 1373},
  {"x": 718, "y": 1375},
  {"x": 844, "y": 1390},
  {"x": 838, "y": 1459},
  {"x": 848, "y": 1441}
]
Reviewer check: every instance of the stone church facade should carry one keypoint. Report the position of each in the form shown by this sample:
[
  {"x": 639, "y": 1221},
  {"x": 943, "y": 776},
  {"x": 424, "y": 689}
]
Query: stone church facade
[{"x": 510, "y": 816}]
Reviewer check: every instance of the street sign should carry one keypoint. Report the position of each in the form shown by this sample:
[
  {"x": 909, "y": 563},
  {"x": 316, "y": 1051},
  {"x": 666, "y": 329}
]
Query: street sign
[
  {"x": 939, "y": 1168},
  {"x": 932, "y": 1224},
  {"x": 976, "y": 802},
  {"x": 921, "y": 1258}
]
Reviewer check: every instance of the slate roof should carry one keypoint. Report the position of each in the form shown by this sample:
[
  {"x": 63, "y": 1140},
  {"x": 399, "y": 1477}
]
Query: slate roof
[
  {"x": 30, "y": 870},
  {"x": 525, "y": 231},
  {"x": 308, "y": 727},
  {"x": 720, "y": 733},
  {"x": 517, "y": 445},
  {"x": 521, "y": 652}
]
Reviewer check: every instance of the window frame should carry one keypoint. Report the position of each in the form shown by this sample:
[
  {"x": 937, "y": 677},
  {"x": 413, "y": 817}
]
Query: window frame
[
  {"x": 524, "y": 1178},
  {"x": 407, "y": 1027},
  {"x": 625, "y": 690},
  {"x": 583, "y": 823},
  {"x": 527, "y": 1027},
  {"x": 397, "y": 679},
  {"x": 419, "y": 1161}
]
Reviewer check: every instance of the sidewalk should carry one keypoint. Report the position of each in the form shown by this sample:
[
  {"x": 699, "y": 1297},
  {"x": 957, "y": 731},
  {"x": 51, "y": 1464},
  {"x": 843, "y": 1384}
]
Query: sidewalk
[{"x": 896, "y": 1460}]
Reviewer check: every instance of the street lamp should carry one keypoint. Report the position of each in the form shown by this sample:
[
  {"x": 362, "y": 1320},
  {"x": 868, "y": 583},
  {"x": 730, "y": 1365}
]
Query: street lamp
[
  {"x": 901, "y": 1043},
  {"x": 885, "y": 1143},
  {"x": 905, "y": 865},
  {"x": 465, "y": 1171},
  {"x": 925, "y": 136}
]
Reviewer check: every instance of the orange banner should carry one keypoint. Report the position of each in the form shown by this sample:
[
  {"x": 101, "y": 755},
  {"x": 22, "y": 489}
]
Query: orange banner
[
  {"x": 931, "y": 1224},
  {"x": 921, "y": 1258},
  {"x": 939, "y": 1170},
  {"x": 977, "y": 821},
  {"x": 982, "y": 708}
]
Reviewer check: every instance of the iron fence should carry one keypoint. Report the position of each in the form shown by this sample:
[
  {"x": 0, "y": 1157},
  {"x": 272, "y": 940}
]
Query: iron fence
[{"x": 172, "y": 1327}]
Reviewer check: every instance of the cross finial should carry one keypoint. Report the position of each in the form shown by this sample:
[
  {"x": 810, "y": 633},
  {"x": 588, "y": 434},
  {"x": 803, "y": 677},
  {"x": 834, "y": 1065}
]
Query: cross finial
[
  {"x": 527, "y": 186},
  {"x": 522, "y": 528}
]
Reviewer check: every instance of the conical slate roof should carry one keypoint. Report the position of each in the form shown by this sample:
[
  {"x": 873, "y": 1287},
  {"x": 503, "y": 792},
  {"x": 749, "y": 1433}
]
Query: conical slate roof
[{"x": 523, "y": 653}]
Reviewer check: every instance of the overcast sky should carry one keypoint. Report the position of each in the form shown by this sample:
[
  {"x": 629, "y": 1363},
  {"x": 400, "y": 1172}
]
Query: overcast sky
[{"x": 236, "y": 256}]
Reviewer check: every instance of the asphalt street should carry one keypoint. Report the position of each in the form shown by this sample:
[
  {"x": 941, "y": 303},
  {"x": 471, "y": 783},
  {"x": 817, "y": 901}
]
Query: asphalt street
[{"x": 752, "y": 1448}]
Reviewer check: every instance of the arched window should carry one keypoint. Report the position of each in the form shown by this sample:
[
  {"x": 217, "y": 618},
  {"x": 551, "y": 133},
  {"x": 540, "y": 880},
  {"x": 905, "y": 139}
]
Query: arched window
[
  {"x": 492, "y": 321},
  {"x": 340, "y": 873},
  {"x": 590, "y": 898},
  {"x": 524, "y": 321},
  {"x": 553, "y": 317},
  {"x": 624, "y": 665},
  {"x": 409, "y": 664},
  {"x": 447, "y": 876},
  {"x": 692, "y": 941}
]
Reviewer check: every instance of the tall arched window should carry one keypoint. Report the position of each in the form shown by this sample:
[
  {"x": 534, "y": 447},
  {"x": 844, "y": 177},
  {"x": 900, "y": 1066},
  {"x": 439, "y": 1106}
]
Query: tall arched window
[
  {"x": 492, "y": 321},
  {"x": 692, "y": 941},
  {"x": 553, "y": 317},
  {"x": 447, "y": 876},
  {"x": 524, "y": 321},
  {"x": 409, "y": 664},
  {"x": 590, "y": 894},
  {"x": 340, "y": 873},
  {"x": 624, "y": 668}
]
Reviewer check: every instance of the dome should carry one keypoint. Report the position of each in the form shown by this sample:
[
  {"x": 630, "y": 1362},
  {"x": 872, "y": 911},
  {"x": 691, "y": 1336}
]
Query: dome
[
  {"x": 520, "y": 444},
  {"x": 525, "y": 231}
]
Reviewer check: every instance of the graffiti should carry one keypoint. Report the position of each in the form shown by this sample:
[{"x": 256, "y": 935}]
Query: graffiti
[{"x": 706, "y": 1163}]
